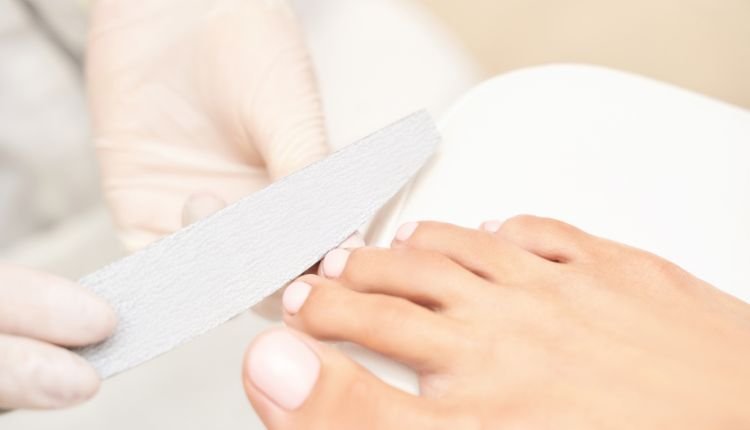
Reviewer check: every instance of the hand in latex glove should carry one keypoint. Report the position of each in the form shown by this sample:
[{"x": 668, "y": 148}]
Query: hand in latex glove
[
  {"x": 199, "y": 100},
  {"x": 39, "y": 315}
]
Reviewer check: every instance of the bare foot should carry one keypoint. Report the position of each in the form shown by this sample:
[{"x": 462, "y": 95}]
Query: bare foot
[{"x": 529, "y": 324}]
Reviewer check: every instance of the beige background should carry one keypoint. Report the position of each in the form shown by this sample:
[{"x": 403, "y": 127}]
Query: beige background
[{"x": 703, "y": 45}]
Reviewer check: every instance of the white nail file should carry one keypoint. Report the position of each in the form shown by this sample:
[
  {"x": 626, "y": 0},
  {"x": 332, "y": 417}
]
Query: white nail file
[{"x": 209, "y": 272}]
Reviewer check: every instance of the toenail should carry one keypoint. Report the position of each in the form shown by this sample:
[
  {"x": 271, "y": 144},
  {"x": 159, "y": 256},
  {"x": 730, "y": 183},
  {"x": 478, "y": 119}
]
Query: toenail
[
  {"x": 282, "y": 367},
  {"x": 295, "y": 295},
  {"x": 335, "y": 262},
  {"x": 353, "y": 242},
  {"x": 492, "y": 226},
  {"x": 405, "y": 231}
]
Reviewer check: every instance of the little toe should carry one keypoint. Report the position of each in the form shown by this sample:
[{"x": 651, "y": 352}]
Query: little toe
[
  {"x": 548, "y": 238},
  {"x": 395, "y": 327},
  {"x": 499, "y": 261},
  {"x": 295, "y": 382}
]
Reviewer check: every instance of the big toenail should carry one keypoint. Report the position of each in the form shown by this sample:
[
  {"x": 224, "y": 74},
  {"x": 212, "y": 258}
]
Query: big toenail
[
  {"x": 295, "y": 295},
  {"x": 335, "y": 262},
  {"x": 282, "y": 367},
  {"x": 405, "y": 231},
  {"x": 491, "y": 226}
]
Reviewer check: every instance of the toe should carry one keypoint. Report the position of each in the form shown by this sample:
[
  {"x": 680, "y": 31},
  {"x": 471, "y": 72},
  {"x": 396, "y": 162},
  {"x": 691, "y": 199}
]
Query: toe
[
  {"x": 327, "y": 310},
  {"x": 488, "y": 256},
  {"x": 294, "y": 382},
  {"x": 439, "y": 284},
  {"x": 548, "y": 238}
]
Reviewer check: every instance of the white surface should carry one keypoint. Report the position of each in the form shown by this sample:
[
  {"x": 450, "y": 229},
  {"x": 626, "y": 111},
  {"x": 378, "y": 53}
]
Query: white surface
[
  {"x": 621, "y": 156},
  {"x": 380, "y": 60}
]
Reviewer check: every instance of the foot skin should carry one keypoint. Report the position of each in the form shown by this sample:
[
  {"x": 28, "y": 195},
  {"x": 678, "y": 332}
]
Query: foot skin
[{"x": 527, "y": 324}]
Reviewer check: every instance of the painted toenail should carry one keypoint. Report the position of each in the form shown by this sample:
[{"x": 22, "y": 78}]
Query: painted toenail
[
  {"x": 405, "y": 231},
  {"x": 353, "y": 242},
  {"x": 283, "y": 368},
  {"x": 295, "y": 295},
  {"x": 335, "y": 262},
  {"x": 492, "y": 226}
]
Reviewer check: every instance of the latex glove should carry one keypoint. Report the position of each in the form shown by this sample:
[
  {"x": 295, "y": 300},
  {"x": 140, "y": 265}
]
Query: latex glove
[
  {"x": 212, "y": 99},
  {"x": 39, "y": 314}
]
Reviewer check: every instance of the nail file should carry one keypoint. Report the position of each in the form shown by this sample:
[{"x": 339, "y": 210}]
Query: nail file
[{"x": 211, "y": 271}]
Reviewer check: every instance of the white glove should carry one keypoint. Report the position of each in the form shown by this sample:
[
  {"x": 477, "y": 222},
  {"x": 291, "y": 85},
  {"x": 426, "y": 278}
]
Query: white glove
[
  {"x": 197, "y": 100},
  {"x": 39, "y": 315}
]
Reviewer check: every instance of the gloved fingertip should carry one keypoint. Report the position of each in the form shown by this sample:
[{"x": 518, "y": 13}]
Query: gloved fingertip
[
  {"x": 67, "y": 382},
  {"x": 98, "y": 317},
  {"x": 52, "y": 309},
  {"x": 83, "y": 317},
  {"x": 201, "y": 205},
  {"x": 38, "y": 375}
]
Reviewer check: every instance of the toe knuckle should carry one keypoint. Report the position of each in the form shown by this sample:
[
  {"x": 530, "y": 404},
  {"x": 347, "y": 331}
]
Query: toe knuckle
[
  {"x": 415, "y": 256},
  {"x": 556, "y": 226},
  {"x": 518, "y": 225},
  {"x": 319, "y": 311},
  {"x": 425, "y": 259},
  {"x": 360, "y": 263},
  {"x": 359, "y": 254},
  {"x": 435, "y": 260},
  {"x": 391, "y": 312},
  {"x": 530, "y": 223},
  {"x": 427, "y": 230},
  {"x": 310, "y": 279}
]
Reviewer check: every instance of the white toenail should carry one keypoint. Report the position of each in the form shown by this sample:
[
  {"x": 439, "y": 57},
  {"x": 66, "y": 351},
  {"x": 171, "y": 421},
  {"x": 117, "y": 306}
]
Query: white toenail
[
  {"x": 283, "y": 368},
  {"x": 405, "y": 231},
  {"x": 491, "y": 226},
  {"x": 295, "y": 296}
]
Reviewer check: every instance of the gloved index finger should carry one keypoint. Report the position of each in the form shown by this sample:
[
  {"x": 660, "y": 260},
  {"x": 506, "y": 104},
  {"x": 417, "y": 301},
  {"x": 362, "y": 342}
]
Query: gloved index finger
[{"x": 51, "y": 309}]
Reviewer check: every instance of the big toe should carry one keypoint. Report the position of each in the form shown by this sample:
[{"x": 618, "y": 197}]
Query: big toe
[{"x": 295, "y": 382}]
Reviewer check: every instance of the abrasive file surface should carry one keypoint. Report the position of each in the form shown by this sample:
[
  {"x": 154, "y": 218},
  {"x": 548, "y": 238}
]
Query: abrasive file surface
[{"x": 209, "y": 272}]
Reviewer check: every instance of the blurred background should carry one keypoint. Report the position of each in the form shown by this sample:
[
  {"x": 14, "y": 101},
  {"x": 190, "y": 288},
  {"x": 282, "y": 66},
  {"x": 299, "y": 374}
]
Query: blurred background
[
  {"x": 51, "y": 214},
  {"x": 702, "y": 45}
]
